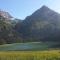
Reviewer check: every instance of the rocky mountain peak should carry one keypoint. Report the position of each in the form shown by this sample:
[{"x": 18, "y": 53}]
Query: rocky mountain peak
[
  {"x": 5, "y": 14},
  {"x": 43, "y": 10},
  {"x": 44, "y": 7}
]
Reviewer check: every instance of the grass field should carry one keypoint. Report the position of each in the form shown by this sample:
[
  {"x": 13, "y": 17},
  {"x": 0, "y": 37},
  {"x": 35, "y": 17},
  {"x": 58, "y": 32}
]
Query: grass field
[{"x": 30, "y": 55}]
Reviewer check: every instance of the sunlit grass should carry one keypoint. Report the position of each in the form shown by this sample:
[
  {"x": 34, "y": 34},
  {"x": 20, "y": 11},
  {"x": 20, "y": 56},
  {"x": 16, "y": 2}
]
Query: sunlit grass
[{"x": 30, "y": 55}]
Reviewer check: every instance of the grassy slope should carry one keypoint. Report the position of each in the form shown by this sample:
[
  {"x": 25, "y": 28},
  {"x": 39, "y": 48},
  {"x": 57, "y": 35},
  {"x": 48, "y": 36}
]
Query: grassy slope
[{"x": 26, "y": 46}]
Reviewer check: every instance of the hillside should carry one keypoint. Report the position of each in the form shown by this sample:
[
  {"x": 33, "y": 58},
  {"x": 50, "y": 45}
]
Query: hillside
[
  {"x": 7, "y": 33},
  {"x": 42, "y": 25}
]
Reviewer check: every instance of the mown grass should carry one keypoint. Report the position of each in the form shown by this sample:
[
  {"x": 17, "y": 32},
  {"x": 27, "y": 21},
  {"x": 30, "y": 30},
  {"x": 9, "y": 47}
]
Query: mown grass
[{"x": 30, "y": 55}]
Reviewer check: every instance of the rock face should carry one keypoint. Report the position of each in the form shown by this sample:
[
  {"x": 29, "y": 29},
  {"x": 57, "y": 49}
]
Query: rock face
[
  {"x": 42, "y": 25},
  {"x": 5, "y": 15}
]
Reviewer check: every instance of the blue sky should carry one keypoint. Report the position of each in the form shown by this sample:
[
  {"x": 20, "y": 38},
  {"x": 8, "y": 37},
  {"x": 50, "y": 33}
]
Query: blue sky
[{"x": 22, "y": 8}]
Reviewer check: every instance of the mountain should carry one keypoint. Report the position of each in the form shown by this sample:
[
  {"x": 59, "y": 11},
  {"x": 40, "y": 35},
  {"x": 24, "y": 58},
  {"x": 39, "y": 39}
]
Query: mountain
[
  {"x": 7, "y": 32},
  {"x": 5, "y": 15},
  {"x": 42, "y": 25}
]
